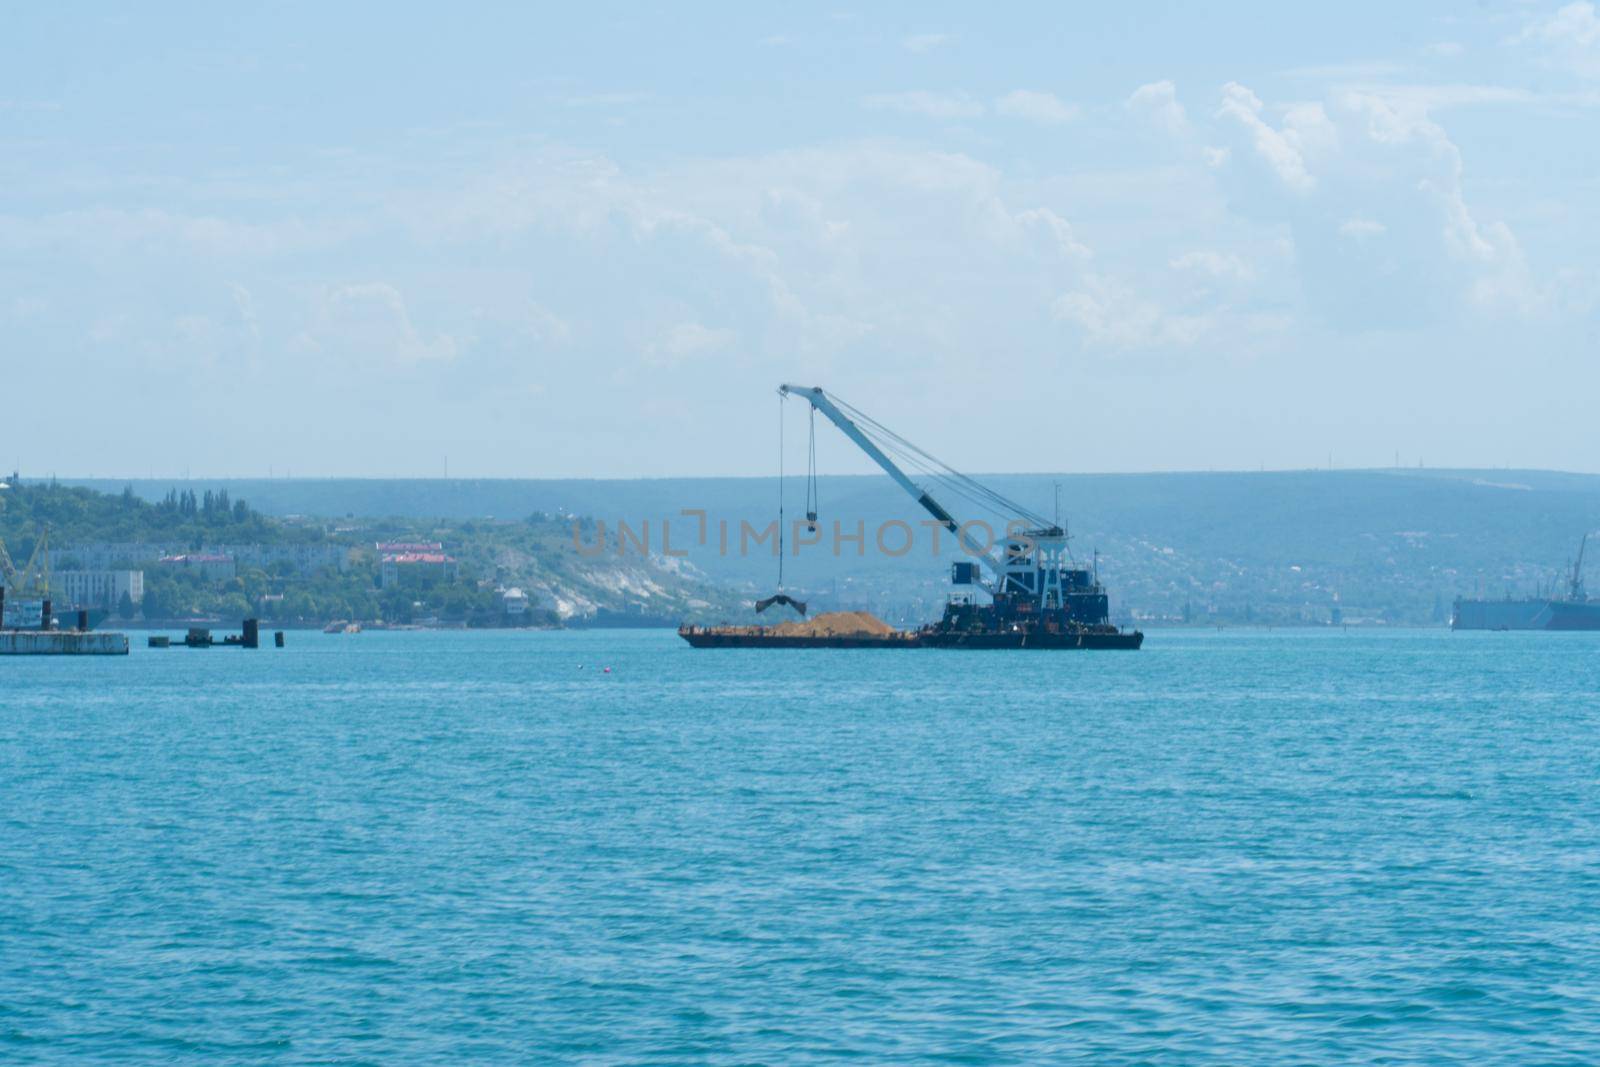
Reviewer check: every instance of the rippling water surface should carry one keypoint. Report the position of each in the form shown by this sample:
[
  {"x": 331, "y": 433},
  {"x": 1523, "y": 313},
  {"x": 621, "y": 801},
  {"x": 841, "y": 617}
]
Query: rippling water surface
[{"x": 1241, "y": 847}]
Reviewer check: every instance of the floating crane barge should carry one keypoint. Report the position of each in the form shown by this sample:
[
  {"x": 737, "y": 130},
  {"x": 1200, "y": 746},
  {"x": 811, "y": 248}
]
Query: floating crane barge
[{"x": 1037, "y": 597}]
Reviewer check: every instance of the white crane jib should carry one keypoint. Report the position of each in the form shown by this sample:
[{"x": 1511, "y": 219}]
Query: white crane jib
[{"x": 1045, "y": 544}]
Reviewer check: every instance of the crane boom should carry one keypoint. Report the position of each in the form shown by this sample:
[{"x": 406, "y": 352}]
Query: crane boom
[
  {"x": 34, "y": 578},
  {"x": 1577, "y": 571},
  {"x": 820, "y": 401}
]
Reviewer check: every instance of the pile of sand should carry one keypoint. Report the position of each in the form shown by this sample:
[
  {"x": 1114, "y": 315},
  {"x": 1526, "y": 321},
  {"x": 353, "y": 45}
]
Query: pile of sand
[{"x": 836, "y": 624}]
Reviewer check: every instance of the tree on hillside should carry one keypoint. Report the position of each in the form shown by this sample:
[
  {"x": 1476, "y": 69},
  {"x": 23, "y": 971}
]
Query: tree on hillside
[
  {"x": 157, "y": 602},
  {"x": 234, "y": 605},
  {"x": 300, "y": 605}
]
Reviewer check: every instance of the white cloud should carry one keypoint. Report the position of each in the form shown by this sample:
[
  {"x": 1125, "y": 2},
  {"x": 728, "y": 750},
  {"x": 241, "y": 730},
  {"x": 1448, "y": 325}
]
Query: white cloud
[
  {"x": 926, "y": 42},
  {"x": 1060, "y": 231},
  {"x": 1360, "y": 229},
  {"x": 687, "y": 340},
  {"x": 1429, "y": 99},
  {"x": 928, "y": 104},
  {"x": 370, "y": 321},
  {"x": 608, "y": 99},
  {"x": 1158, "y": 102},
  {"x": 1444, "y": 49},
  {"x": 815, "y": 251},
  {"x": 1487, "y": 254},
  {"x": 1376, "y": 164},
  {"x": 1571, "y": 38},
  {"x": 1323, "y": 74},
  {"x": 1221, "y": 266},
  {"x": 1113, "y": 316},
  {"x": 1036, "y": 106},
  {"x": 1279, "y": 148},
  {"x": 880, "y": 266},
  {"x": 145, "y": 231},
  {"x": 545, "y": 325},
  {"x": 246, "y": 306}
]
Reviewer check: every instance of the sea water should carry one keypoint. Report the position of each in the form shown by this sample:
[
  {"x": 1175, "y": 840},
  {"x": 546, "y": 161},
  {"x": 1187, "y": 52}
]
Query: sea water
[{"x": 1240, "y": 847}]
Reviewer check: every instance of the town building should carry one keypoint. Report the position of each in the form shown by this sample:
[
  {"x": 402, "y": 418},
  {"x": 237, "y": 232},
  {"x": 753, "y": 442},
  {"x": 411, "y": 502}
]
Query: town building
[
  {"x": 403, "y": 547},
  {"x": 306, "y": 558},
  {"x": 413, "y": 562},
  {"x": 515, "y": 603},
  {"x": 96, "y": 589},
  {"x": 303, "y": 559},
  {"x": 212, "y": 566}
]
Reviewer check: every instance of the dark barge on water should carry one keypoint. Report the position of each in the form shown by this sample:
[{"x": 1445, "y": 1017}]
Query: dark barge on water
[
  {"x": 1025, "y": 592},
  {"x": 771, "y": 637},
  {"x": 926, "y": 637}
]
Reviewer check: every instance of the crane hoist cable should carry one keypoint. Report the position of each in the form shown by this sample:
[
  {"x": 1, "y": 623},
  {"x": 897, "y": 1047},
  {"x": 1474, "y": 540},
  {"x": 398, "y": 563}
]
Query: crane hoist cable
[
  {"x": 780, "y": 597},
  {"x": 780, "y": 495}
]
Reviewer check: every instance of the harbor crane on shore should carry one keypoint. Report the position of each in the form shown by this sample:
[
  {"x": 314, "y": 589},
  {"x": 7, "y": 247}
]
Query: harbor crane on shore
[{"x": 33, "y": 580}]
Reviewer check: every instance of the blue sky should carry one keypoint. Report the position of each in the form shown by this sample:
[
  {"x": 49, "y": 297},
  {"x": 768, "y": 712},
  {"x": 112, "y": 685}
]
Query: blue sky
[{"x": 590, "y": 241}]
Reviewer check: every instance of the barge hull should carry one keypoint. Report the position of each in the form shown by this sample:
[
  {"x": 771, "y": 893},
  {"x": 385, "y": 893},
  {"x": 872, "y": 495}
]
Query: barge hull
[
  {"x": 974, "y": 641},
  {"x": 712, "y": 639},
  {"x": 1040, "y": 641}
]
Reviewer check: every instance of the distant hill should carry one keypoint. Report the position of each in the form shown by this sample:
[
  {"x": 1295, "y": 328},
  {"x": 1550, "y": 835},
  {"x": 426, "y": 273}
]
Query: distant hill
[{"x": 1379, "y": 545}]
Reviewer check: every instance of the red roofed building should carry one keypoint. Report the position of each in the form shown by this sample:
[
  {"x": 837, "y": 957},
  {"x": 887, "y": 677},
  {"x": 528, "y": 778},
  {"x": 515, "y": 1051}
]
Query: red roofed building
[{"x": 414, "y": 563}]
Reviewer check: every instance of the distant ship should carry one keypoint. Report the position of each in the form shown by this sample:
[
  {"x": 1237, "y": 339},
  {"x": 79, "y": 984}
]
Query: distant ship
[{"x": 1575, "y": 611}]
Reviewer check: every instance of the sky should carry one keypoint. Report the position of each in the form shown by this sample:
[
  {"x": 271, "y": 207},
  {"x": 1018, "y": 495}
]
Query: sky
[{"x": 590, "y": 240}]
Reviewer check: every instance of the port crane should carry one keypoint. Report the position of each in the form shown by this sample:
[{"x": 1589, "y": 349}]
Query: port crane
[
  {"x": 33, "y": 580},
  {"x": 1031, "y": 573},
  {"x": 1575, "y": 589}
]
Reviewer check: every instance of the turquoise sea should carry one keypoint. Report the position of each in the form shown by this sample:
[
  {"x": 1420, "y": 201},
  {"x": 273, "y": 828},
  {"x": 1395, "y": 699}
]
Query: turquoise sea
[{"x": 1238, "y": 847}]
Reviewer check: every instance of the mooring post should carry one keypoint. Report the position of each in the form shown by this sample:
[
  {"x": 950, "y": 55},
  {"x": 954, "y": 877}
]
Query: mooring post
[{"x": 252, "y": 634}]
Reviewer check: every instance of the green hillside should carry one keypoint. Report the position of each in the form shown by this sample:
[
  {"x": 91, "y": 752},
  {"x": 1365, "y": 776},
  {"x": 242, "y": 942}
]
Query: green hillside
[
  {"x": 1380, "y": 545},
  {"x": 535, "y": 553}
]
